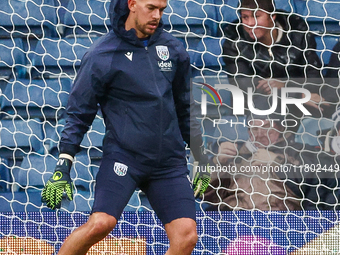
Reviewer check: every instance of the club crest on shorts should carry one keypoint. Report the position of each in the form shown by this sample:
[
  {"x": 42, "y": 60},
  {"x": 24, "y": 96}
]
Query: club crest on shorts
[
  {"x": 162, "y": 52},
  {"x": 120, "y": 169}
]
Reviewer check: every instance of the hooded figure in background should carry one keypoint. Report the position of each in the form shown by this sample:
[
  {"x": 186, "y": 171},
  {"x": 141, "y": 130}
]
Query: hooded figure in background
[{"x": 269, "y": 48}]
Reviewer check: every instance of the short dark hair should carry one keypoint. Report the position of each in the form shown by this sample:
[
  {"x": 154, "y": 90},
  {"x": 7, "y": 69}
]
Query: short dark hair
[{"x": 266, "y": 5}]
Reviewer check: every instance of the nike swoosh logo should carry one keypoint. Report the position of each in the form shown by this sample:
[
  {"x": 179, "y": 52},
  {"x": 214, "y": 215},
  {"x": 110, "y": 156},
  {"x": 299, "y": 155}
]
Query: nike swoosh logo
[{"x": 129, "y": 55}]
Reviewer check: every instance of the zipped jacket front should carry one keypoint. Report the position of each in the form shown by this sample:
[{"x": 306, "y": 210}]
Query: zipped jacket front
[{"x": 143, "y": 93}]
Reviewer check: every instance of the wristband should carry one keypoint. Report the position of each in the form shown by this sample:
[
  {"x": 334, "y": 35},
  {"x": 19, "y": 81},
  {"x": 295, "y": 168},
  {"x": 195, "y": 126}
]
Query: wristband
[{"x": 66, "y": 156}]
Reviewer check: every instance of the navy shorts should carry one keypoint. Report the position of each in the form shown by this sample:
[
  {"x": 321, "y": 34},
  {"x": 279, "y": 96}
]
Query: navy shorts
[{"x": 168, "y": 189}]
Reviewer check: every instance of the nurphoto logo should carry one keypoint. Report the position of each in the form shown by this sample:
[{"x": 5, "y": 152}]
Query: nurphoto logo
[
  {"x": 204, "y": 97},
  {"x": 238, "y": 104}
]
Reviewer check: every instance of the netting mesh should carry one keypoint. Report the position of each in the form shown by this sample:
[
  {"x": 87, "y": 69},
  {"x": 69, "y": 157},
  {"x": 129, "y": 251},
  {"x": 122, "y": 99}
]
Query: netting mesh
[{"x": 245, "y": 212}]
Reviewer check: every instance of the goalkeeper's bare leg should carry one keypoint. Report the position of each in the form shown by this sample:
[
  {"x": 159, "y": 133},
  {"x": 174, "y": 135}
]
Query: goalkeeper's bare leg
[
  {"x": 98, "y": 226},
  {"x": 181, "y": 233}
]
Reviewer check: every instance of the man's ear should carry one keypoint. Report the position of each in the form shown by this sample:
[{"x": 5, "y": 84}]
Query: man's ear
[
  {"x": 274, "y": 17},
  {"x": 132, "y": 5}
]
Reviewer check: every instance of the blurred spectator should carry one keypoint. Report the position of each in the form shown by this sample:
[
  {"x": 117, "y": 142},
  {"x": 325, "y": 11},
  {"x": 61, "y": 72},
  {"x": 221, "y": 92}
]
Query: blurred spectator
[
  {"x": 241, "y": 188},
  {"x": 271, "y": 171},
  {"x": 330, "y": 138},
  {"x": 331, "y": 89},
  {"x": 272, "y": 48}
]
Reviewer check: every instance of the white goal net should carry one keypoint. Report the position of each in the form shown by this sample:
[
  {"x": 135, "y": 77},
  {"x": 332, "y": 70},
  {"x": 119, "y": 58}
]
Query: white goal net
[{"x": 274, "y": 196}]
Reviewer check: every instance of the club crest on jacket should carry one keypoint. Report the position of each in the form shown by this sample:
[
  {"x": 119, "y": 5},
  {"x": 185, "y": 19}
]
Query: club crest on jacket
[
  {"x": 162, "y": 52},
  {"x": 120, "y": 169}
]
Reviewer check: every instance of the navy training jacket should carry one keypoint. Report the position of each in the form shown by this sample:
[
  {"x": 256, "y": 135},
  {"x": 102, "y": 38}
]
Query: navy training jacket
[{"x": 143, "y": 92}]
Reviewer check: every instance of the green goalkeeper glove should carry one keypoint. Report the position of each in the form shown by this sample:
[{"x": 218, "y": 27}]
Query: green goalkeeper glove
[
  {"x": 201, "y": 179},
  {"x": 59, "y": 183}
]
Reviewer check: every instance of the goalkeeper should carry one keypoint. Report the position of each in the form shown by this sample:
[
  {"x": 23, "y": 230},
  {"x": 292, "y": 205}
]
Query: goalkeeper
[{"x": 140, "y": 76}]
